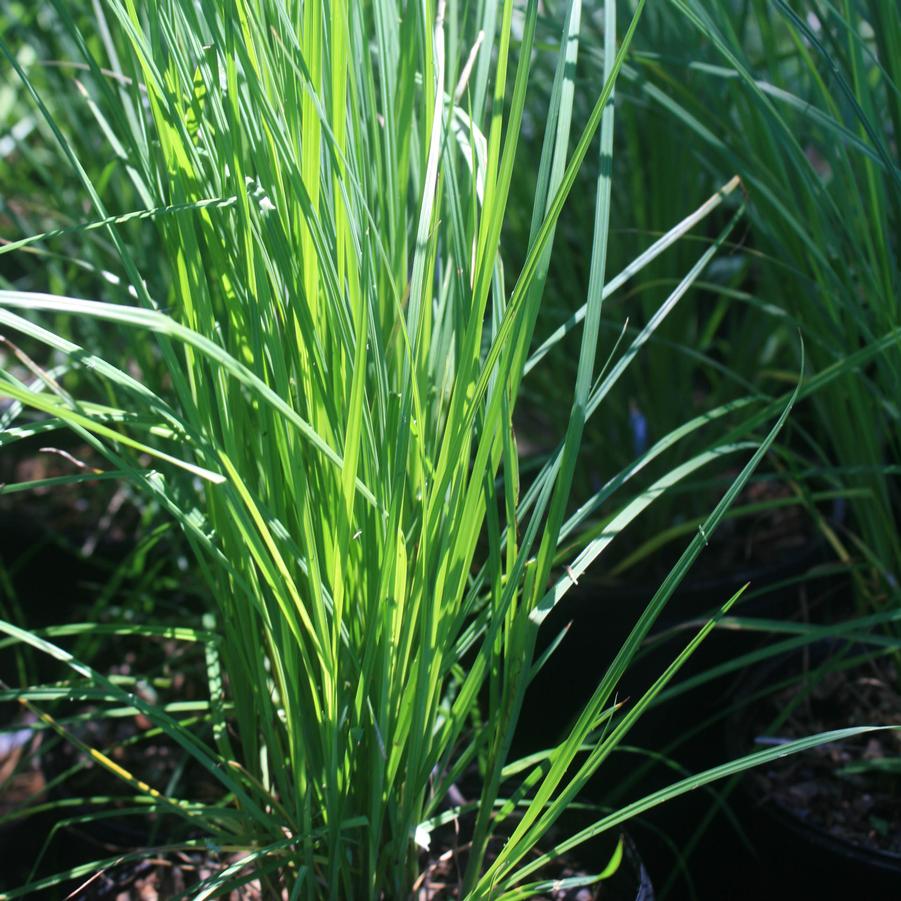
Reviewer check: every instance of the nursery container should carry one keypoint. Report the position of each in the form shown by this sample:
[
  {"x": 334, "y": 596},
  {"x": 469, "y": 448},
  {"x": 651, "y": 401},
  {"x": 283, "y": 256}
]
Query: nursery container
[{"x": 802, "y": 852}]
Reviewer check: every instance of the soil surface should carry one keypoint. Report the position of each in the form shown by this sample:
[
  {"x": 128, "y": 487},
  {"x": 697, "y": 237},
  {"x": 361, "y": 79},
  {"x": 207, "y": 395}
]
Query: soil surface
[
  {"x": 92, "y": 513},
  {"x": 443, "y": 874},
  {"x": 848, "y": 789}
]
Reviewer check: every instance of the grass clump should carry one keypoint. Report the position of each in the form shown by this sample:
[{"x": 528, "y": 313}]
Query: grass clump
[{"x": 327, "y": 411}]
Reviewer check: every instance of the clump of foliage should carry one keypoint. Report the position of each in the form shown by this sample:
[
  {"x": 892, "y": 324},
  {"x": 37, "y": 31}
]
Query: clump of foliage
[{"x": 337, "y": 355}]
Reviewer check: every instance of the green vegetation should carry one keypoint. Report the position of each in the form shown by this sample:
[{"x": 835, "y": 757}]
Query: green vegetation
[
  {"x": 298, "y": 283},
  {"x": 801, "y": 101}
]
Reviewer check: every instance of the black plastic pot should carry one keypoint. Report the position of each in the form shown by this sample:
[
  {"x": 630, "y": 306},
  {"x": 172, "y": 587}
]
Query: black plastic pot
[
  {"x": 806, "y": 858},
  {"x": 601, "y": 617},
  {"x": 810, "y": 863},
  {"x": 632, "y": 881}
]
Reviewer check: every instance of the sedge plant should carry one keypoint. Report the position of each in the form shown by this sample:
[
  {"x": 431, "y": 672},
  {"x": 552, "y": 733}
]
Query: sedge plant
[
  {"x": 800, "y": 99},
  {"x": 803, "y": 100},
  {"x": 327, "y": 412}
]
